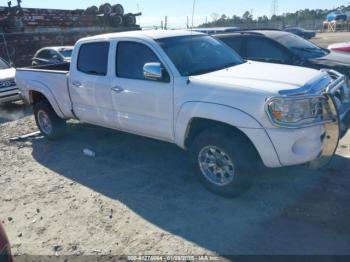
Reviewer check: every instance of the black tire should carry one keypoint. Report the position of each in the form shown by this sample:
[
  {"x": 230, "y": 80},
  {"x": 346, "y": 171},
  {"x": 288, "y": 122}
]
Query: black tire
[
  {"x": 105, "y": 9},
  {"x": 116, "y": 20},
  {"x": 118, "y": 9},
  {"x": 93, "y": 10},
  {"x": 240, "y": 152},
  {"x": 129, "y": 20},
  {"x": 58, "y": 125}
]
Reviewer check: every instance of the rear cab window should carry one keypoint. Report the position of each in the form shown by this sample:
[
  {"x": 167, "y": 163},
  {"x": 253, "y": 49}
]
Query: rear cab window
[{"x": 93, "y": 58}]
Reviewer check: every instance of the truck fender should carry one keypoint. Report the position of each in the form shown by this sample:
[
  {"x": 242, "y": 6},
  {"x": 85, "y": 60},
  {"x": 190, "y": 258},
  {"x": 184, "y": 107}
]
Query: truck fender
[
  {"x": 37, "y": 86},
  {"x": 230, "y": 116}
]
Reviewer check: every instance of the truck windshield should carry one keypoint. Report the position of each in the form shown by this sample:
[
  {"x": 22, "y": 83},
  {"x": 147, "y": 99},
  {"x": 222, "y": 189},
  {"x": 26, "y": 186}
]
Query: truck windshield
[
  {"x": 199, "y": 54},
  {"x": 301, "y": 47}
]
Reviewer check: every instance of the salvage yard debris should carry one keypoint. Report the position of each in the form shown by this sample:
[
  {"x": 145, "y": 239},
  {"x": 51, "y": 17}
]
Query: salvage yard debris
[{"x": 24, "y": 137}]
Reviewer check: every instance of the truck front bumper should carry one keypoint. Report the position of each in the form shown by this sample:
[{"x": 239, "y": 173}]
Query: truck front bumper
[{"x": 317, "y": 144}]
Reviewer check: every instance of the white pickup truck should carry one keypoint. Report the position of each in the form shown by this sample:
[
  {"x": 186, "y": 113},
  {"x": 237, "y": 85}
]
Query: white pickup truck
[{"x": 189, "y": 89}]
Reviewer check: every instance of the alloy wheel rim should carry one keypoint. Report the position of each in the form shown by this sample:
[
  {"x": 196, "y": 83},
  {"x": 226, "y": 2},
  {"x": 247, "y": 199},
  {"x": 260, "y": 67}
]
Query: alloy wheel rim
[
  {"x": 216, "y": 165},
  {"x": 44, "y": 122}
]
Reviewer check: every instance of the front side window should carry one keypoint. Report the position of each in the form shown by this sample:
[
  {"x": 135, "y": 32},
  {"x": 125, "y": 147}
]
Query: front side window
[
  {"x": 263, "y": 49},
  {"x": 131, "y": 58},
  {"x": 199, "y": 54},
  {"x": 93, "y": 58}
]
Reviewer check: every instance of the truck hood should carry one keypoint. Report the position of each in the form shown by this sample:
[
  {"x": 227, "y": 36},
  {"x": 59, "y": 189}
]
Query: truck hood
[
  {"x": 261, "y": 77},
  {"x": 7, "y": 73}
]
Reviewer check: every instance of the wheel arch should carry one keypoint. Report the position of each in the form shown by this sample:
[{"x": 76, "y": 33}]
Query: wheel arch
[
  {"x": 193, "y": 118},
  {"x": 39, "y": 92}
]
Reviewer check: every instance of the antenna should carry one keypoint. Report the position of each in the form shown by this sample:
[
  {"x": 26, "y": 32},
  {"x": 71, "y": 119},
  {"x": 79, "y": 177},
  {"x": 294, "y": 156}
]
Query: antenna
[{"x": 193, "y": 10}]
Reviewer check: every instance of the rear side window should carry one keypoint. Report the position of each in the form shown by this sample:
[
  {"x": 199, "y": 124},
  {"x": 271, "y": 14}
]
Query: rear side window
[
  {"x": 261, "y": 48},
  {"x": 45, "y": 54},
  {"x": 131, "y": 57},
  {"x": 234, "y": 42},
  {"x": 93, "y": 58}
]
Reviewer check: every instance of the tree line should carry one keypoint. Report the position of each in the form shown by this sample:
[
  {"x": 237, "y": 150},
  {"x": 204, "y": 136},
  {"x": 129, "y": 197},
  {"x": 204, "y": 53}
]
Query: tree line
[{"x": 287, "y": 18}]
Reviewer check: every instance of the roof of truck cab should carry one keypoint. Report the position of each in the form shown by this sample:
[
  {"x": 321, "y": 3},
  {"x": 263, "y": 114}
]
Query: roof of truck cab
[{"x": 150, "y": 34}]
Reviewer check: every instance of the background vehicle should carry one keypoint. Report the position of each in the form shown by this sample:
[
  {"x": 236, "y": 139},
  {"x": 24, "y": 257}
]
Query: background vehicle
[
  {"x": 307, "y": 34},
  {"x": 189, "y": 89},
  {"x": 285, "y": 48},
  {"x": 5, "y": 250},
  {"x": 52, "y": 55},
  {"x": 8, "y": 89},
  {"x": 340, "y": 47},
  {"x": 26, "y": 30},
  {"x": 336, "y": 15}
]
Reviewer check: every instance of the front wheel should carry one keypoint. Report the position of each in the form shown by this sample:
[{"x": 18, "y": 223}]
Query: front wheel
[
  {"x": 48, "y": 122},
  {"x": 225, "y": 161}
]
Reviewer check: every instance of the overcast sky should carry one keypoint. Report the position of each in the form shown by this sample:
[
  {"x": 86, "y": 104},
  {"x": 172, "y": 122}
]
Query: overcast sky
[{"x": 177, "y": 10}]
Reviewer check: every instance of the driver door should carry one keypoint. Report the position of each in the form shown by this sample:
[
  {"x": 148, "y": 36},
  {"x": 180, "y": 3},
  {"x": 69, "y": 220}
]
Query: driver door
[{"x": 143, "y": 106}]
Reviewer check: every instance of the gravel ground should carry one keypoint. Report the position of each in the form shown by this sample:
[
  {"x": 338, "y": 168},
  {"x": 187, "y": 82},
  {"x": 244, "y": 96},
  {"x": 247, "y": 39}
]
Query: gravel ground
[{"x": 139, "y": 196}]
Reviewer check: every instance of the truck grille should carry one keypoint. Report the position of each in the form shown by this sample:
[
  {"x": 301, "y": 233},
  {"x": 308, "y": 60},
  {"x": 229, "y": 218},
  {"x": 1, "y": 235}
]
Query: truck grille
[{"x": 7, "y": 83}]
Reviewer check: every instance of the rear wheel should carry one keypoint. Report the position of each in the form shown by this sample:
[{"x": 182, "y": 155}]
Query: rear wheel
[
  {"x": 224, "y": 160},
  {"x": 48, "y": 122}
]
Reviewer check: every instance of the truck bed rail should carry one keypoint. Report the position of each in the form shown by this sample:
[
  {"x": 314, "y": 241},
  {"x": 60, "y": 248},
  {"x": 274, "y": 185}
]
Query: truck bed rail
[{"x": 57, "y": 68}]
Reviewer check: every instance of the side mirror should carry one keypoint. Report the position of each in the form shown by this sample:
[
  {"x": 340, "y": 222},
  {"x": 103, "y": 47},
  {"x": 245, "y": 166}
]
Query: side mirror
[{"x": 153, "y": 71}]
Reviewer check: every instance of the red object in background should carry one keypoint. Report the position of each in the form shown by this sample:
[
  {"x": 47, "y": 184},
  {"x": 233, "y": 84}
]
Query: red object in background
[
  {"x": 5, "y": 251},
  {"x": 341, "y": 47}
]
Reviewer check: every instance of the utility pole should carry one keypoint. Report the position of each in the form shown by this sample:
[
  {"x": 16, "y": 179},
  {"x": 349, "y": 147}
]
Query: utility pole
[
  {"x": 166, "y": 23},
  {"x": 274, "y": 8}
]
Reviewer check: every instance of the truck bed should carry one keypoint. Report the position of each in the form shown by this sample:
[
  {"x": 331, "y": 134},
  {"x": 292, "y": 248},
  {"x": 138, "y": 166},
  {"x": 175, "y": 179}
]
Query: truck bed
[{"x": 49, "y": 80}]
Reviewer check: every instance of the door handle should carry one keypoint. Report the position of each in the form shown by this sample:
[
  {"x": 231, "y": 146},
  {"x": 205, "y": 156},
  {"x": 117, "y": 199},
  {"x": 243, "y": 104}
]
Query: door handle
[
  {"x": 117, "y": 89},
  {"x": 76, "y": 84}
]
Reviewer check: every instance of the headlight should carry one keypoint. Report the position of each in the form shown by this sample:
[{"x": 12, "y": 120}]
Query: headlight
[{"x": 299, "y": 112}]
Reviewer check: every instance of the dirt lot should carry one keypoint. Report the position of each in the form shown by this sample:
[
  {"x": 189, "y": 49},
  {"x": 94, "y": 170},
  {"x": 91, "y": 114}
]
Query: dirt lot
[
  {"x": 326, "y": 39},
  {"x": 139, "y": 196}
]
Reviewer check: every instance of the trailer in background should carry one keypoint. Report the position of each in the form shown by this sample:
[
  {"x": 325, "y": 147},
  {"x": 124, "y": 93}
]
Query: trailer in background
[{"x": 25, "y": 30}]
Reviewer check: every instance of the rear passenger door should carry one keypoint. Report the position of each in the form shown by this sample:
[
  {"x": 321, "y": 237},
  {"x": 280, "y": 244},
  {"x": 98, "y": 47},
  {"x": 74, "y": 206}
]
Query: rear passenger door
[
  {"x": 144, "y": 107},
  {"x": 90, "y": 84},
  {"x": 265, "y": 50}
]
